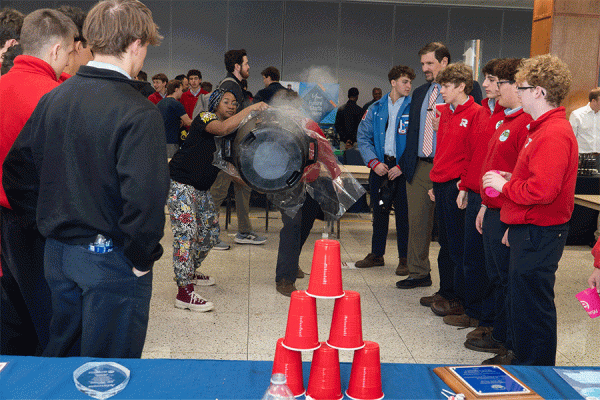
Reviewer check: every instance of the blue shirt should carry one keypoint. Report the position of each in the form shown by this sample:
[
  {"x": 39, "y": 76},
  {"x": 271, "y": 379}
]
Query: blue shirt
[
  {"x": 424, "y": 106},
  {"x": 389, "y": 148}
]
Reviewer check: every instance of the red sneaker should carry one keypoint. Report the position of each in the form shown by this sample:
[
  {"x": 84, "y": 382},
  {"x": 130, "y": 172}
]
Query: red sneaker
[{"x": 188, "y": 299}]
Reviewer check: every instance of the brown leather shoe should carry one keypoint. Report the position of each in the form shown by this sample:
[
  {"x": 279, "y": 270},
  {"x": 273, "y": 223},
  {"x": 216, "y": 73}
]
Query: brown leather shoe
[
  {"x": 486, "y": 344},
  {"x": 445, "y": 307},
  {"x": 427, "y": 301},
  {"x": 501, "y": 359},
  {"x": 285, "y": 287},
  {"x": 478, "y": 332},
  {"x": 402, "y": 269},
  {"x": 300, "y": 274},
  {"x": 371, "y": 260},
  {"x": 462, "y": 320}
]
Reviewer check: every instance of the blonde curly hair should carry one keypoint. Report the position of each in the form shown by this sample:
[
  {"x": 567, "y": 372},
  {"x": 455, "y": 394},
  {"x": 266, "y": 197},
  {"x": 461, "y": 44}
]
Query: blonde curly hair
[{"x": 548, "y": 72}]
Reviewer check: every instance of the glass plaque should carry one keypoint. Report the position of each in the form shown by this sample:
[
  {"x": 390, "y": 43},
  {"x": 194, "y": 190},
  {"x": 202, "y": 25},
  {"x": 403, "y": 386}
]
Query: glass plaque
[{"x": 101, "y": 380}]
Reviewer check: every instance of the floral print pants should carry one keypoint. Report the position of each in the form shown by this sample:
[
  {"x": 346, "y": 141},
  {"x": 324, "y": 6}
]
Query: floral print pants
[{"x": 195, "y": 226}]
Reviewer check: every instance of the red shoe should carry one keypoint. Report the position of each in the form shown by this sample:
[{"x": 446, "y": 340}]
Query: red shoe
[{"x": 188, "y": 299}]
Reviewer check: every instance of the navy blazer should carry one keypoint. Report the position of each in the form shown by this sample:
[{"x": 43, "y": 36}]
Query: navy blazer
[{"x": 408, "y": 161}]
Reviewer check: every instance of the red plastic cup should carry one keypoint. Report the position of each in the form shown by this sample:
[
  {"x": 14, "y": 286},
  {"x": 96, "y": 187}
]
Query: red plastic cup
[
  {"x": 302, "y": 332},
  {"x": 490, "y": 191},
  {"x": 326, "y": 271},
  {"x": 346, "y": 323},
  {"x": 289, "y": 363},
  {"x": 590, "y": 300},
  {"x": 365, "y": 375},
  {"x": 324, "y": 382}
]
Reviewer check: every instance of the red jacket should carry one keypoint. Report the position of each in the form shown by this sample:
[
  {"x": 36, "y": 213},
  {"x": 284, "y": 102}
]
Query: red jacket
[
  {"x": 189, "y": 101},
  {"x": 63, "y": 77},
  {"x": 155, "y": 97},
  {"x": 596, "y": 254},
  {"x": 486, "y": 123},
  {"x": 324, "y": 155},
  {"x": 503, "y": 150},
  {"x": 20, "y": 91},
  {"x": 542, "y": 188},
  {"x": 451, "y": 141}
]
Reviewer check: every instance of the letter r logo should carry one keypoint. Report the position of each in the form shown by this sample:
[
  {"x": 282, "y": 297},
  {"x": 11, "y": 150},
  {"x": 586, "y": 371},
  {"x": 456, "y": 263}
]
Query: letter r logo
[{"x": 464, "y": 123}]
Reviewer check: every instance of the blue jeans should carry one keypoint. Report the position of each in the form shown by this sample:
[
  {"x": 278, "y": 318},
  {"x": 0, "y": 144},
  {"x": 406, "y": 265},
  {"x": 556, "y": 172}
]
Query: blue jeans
[{"x": 95, "y": 298}]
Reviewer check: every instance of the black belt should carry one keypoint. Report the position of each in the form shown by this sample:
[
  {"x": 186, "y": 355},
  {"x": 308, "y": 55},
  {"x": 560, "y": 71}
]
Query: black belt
[
  {"x": 426, "y": 159},
  {"x": 389, "y": 159}
]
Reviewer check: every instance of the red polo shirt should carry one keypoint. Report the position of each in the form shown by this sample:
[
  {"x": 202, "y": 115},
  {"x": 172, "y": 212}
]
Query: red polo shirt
[
  {"x": 156, "y": 97},
  {"x": 450, "y": 161},
  {"x": 542, "y": 188},
  {"x": 20, "y": 91},
  {"x": 503, "y": 151},
  {"x": 486, "y": 123}
]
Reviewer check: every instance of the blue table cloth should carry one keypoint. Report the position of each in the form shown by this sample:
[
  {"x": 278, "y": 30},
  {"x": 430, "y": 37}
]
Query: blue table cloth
[{"x": 52, "y": 378}]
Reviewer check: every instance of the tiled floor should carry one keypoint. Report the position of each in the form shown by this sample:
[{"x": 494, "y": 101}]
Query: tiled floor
[{"x": 250, "y": 316}]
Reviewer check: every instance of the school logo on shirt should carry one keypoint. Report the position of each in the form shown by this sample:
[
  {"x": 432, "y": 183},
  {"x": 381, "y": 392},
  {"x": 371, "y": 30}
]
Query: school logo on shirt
[
  {"x": 464, "y": 122},
  {"x": 528, "y": 141},
  {"x": 504, "y": 135},
  {"x": 499, "y": 123}
]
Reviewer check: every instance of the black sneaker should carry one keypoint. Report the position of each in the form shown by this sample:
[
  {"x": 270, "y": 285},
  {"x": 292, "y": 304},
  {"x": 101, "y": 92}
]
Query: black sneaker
[{"x": 411, "y": 283}]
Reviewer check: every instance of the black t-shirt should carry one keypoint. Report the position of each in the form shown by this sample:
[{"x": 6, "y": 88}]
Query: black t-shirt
[
  {"x": 171, "y": 111},
  {"x": 192, "y": 164}
]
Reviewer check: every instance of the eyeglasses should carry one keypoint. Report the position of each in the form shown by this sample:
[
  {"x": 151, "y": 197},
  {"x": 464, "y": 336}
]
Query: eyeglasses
[
  {"x": 501, "y": 82},
  {"x": 525, "y": 87}
]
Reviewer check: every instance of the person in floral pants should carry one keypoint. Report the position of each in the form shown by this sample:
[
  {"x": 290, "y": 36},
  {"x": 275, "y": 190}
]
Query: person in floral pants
[{"x": 194, "y": 217}]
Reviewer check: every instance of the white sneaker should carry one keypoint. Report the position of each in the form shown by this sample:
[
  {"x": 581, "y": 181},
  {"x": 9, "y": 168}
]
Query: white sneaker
[
  {"x": 202, "y": 280},
  {"x": 249, "y": 238},
  {"x": 221, "y": 245}
]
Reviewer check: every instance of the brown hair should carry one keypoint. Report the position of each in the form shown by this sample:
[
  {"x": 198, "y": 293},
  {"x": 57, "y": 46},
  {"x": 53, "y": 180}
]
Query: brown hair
[
  {"x": 439, "y": 48},
  {"x": 233, "y": 57},
  {"x": 11, "y": 22},
  {"x": 112, "y": 25},
  {"x": 488, "y": 68},
  {"x": 78, "y": 17},
  {"x": 271, "y": 72},
  {"x": 594, "y": 94},
  {"x": 548, "y": 72},
  {"x": 161, "y": 76},
  {"x": 172, "y": 86},
  {"x": 44, "y": 27},
  {"x": 399, "y": 71},
  {"x": 457, "y": 73},
  {"x": 507, "y": 68}
]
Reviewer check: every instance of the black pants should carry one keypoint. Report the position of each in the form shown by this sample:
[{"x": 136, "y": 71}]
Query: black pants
[
  {"x": 497, "y": 260},
  {"x": 451, "y": 234},
  {"x": 534, "y": 255},
  {"x": 292, "y": 236},
  {"x": 96, "y": 298},
  {"x": 26, "y": 307},
  {"x": 381, "y": 218},
  {"x": 474, "y": 273}
]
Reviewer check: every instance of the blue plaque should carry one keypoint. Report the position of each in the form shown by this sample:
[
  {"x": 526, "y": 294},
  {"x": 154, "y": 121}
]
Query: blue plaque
[
  {"x": 489, "y": 380},
  {"x": 101, "y": 380}
]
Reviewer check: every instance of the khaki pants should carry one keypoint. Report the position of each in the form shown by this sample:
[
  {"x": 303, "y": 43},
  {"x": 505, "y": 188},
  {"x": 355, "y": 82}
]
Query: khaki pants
[
  {"x": 219, "y": 191},
  {"x": 420, "y": 221}
]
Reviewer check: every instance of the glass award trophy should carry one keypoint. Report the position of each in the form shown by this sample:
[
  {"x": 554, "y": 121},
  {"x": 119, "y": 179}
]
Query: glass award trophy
[{"x": 101, "y": 380}]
